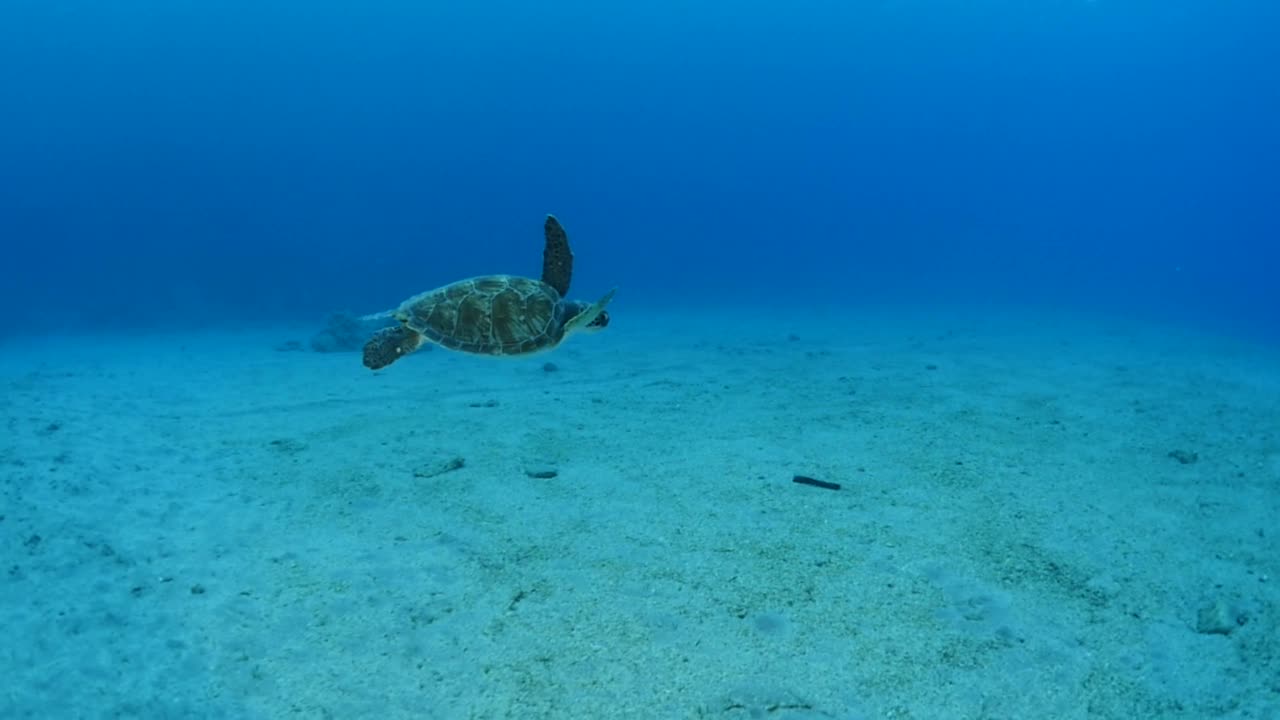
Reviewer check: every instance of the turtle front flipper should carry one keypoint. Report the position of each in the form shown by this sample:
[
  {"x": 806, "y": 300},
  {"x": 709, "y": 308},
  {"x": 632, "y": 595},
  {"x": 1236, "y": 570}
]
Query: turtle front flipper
[
  {"x": 588, "y": 314},
  {"x": 390, "y": 344},
  {"x": 557, "y": 259}
]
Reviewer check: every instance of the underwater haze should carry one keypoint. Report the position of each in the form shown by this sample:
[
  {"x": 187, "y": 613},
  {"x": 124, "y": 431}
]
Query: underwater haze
[
  {"x": 190, "y": 163},
  {"x": 942, "y": 378}
]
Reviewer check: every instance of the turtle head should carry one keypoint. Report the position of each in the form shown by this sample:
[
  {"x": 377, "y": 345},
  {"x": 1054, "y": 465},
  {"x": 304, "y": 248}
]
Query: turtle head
[
  {"x": 588, "y": 317},
  {"x": 600, "y": 322}
]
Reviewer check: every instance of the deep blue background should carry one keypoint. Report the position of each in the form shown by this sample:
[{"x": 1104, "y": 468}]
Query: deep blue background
[{"x": 236, "y": 160}]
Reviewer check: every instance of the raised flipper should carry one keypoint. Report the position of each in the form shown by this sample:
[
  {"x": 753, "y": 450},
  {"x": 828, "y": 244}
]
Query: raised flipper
[
  {"x": 557, "y": 260},
  {"x": 388, "y": 345}
]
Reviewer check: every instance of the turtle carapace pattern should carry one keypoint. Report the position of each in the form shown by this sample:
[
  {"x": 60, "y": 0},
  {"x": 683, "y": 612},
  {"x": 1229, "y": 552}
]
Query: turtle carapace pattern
[{"x": 493, "y": 314}]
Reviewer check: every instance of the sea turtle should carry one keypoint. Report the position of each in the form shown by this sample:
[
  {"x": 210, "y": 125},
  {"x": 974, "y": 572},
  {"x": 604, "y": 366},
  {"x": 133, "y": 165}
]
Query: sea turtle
[{"x": 493, "y": 314}]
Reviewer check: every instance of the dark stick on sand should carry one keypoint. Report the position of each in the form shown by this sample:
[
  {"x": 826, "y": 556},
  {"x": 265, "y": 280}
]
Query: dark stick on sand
[{"x": 806, "y": 480}]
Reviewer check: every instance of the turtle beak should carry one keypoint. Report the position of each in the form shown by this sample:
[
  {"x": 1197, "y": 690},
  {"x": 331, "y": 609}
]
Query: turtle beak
[{"x": 601, "y": 321}]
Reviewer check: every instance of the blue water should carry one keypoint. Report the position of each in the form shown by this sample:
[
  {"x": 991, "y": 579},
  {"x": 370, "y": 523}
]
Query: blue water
[
  {"x": 235, "y": 161},
  {"x": 210, "y": 528}
]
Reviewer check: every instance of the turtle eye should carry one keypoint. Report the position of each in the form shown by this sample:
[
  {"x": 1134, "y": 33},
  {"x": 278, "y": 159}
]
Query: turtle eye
[{"x": 601, "y": 320}]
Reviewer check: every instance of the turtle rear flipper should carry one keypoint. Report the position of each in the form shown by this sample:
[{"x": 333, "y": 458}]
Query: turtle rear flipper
[
  {"x": 388, "y": 345},
  {"x": 557, "y": 259}
]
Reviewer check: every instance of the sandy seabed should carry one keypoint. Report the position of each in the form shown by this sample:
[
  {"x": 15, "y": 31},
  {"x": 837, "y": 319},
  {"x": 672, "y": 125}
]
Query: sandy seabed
[{"x": 1041, "y": 516}]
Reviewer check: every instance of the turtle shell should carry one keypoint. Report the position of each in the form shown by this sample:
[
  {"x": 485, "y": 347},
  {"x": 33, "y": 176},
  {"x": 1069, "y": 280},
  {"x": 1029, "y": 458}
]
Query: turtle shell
[{"x": 491, "y": 315}]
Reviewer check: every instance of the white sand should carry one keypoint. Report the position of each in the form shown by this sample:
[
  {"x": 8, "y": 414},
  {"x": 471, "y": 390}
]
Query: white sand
[{"x": 200, "y": 526}]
